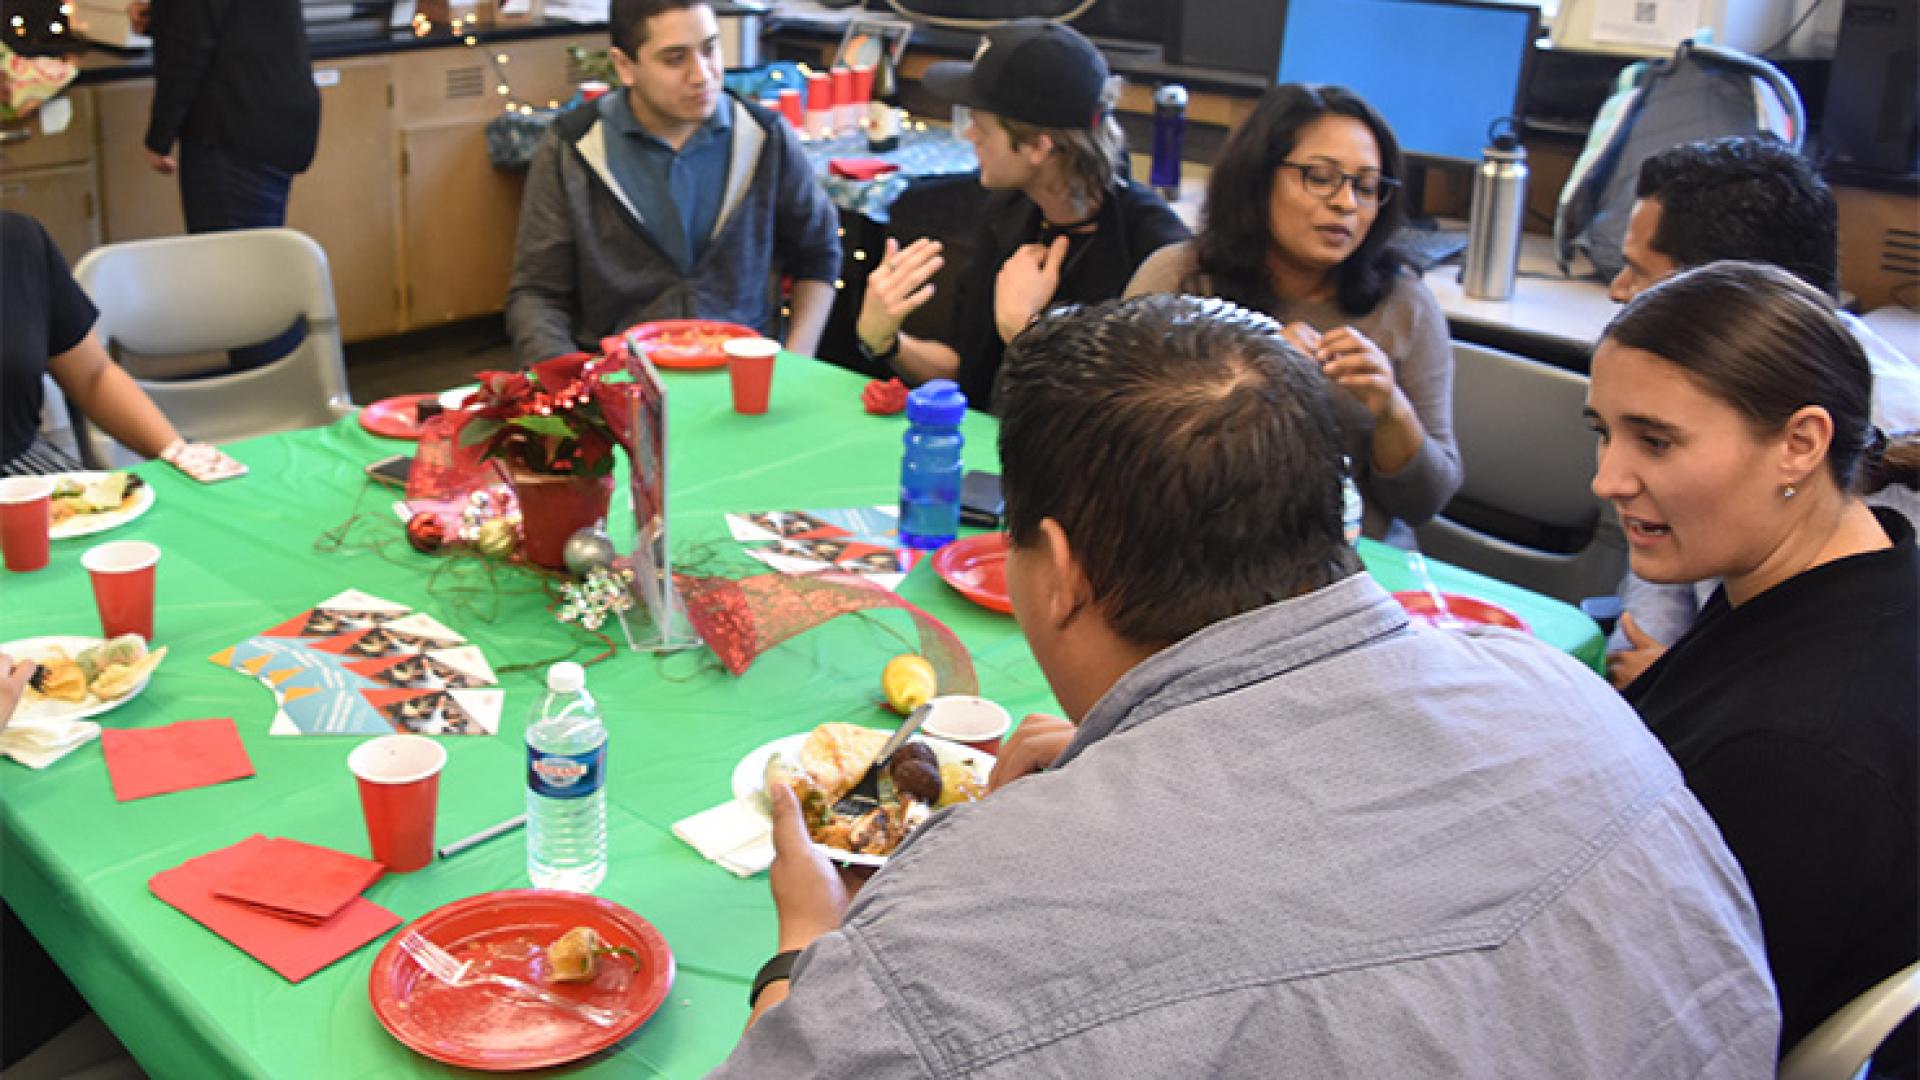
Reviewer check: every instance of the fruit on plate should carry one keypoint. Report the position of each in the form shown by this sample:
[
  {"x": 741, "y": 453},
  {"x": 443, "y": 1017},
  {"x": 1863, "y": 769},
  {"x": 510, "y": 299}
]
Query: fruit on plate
[
  {"x": 575, "y": 955},
  {"x": 909, "y": 682}
]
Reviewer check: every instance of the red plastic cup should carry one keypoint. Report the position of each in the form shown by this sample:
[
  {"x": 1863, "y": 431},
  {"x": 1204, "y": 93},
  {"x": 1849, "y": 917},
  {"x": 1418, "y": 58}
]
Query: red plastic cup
[
  {"x": 843, "y": 107},
  {"x": 968, "y": 720},
  {"x": 123, "y": 574},
  {"x": 592, "y": 89},
  {"x": 791, "y": 108},
  {"x": 862, "y": 86},
  {"x": 750, "y": 367},
  {"x": 399, "y": 777},
  {"x": 26, "y": 517}
]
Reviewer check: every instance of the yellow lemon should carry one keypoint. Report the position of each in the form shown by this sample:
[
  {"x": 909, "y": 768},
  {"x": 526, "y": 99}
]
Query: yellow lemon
[{"x": 908, "y": 682}]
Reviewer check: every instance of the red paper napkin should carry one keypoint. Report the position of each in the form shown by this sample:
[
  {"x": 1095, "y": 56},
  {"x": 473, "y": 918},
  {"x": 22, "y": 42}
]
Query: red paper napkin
[
  {"x": 884, "y": 398},
  {"x": 294, "y": 949},
  {"x": 297, "y": 881},
  {"x": 861, "y": 168},
  {"x": 188, "y": 754}
]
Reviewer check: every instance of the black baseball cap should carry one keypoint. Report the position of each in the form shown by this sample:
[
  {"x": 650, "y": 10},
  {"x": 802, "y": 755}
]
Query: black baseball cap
[{"x": 1031, "y": 70}]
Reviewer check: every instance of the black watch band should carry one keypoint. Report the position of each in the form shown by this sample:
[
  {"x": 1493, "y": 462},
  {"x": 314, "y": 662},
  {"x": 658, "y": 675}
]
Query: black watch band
[
  {"x": 884, "y": 356},
  {"x": 774, "y": 970}
]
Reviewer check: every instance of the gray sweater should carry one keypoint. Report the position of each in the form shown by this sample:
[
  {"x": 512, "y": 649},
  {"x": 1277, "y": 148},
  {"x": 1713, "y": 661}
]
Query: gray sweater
[
  {"x": 1412, "y": 330},
  {"x": 585, "y": 264}
]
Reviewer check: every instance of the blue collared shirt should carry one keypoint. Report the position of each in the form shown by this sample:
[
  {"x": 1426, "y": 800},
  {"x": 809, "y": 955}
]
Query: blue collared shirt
[{"x": 677, "y": 193}]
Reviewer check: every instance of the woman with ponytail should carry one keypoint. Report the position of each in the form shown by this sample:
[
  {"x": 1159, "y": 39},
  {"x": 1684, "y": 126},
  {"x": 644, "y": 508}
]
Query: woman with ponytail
[{"x": 1735, "y": 440}]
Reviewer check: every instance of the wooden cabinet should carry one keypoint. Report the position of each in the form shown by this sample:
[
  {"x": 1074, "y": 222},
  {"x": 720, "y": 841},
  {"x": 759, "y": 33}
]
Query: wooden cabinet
[
  {"x": 51, "y": 177},
  {"x": 347, "y": 201},
  {"x": 461, "y": 212}
]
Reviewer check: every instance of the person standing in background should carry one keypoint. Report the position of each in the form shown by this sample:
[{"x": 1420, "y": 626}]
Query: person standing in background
[{"x": 235, "y": 112}]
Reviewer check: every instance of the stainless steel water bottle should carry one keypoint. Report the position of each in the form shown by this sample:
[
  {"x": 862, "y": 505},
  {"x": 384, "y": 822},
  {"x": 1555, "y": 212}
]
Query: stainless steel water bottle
[
  {"x": 1499, "y": 210},
  {"x": 1169, "y": 130}
]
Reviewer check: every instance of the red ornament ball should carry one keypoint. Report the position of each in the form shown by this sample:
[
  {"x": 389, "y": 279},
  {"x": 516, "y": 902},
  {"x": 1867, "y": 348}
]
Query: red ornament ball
[{"x": 425, "y": 533}]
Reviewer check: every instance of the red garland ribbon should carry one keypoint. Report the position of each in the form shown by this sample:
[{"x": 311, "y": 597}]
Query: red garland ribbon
[{"x": 740, "y": 619}]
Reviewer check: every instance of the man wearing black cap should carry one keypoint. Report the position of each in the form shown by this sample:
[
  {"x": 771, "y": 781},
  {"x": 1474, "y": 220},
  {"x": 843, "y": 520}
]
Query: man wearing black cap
[{"x": 1061, "y": 227}]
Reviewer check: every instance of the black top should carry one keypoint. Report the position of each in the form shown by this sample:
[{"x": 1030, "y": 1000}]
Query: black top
[
  {"x": 235, "y": 74},
  {"x": 1133, "y": 223},
  {"x": 43, "y": 313},
  {"x": 1793, "y": 718}
]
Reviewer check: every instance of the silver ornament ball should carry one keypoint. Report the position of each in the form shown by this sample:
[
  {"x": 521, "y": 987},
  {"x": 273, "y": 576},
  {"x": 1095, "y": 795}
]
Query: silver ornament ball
[{"x": 586, "y": 549}]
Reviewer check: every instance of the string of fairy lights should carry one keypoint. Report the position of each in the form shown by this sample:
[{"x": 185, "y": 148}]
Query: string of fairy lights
[
  {"x": 56, "y": 27},
  {"x": 464, "y": 27}
]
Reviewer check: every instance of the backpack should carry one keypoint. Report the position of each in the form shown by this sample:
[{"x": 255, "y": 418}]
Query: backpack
[{"x": 1702, "y": 92}]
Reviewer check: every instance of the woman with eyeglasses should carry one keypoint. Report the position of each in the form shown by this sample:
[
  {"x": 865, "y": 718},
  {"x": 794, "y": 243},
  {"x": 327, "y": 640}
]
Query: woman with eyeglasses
[{"x": 1299, "y": 219}]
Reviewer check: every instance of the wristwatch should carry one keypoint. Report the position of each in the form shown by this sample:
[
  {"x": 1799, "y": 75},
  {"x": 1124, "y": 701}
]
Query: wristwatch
[
  {"x": 774, "y": 970},
  {"x": 884, "y": 356}
]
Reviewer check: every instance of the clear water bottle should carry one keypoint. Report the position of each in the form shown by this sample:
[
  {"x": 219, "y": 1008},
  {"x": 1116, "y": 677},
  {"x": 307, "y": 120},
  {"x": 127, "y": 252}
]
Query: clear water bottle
[
  {"x": 930, "y": 468},
  {"x": 566, "y": 786}
]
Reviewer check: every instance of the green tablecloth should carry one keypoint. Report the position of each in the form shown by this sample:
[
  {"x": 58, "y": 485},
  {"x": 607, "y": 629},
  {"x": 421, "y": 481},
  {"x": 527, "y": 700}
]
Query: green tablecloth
[{"x": 241, "y": 556}]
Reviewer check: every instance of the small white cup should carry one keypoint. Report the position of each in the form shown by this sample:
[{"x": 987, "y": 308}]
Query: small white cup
[{"x": 973, "y": 721}]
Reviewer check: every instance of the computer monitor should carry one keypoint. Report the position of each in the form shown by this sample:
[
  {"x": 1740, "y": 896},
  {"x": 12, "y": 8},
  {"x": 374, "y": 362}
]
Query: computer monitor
[{"x": 1440, "y": 71}]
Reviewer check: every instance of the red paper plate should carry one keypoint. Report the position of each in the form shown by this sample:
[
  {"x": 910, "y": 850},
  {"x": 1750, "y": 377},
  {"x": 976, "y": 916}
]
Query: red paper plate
[
  {"x": 396, "y": 417},
  {"x": 486, "y": 1027},
  {"x": 977, "y": 567},
  {"x": 1463, "y": 608},
  {"x": 683, "y": 343}
]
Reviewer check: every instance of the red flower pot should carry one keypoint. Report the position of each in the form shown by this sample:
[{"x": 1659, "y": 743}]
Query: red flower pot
[{"x": 553, "y": 506}]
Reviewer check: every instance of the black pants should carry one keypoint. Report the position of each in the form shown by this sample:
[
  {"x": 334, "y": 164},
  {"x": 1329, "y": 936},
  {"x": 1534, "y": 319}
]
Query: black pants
[{"x": 220, "y": 191}]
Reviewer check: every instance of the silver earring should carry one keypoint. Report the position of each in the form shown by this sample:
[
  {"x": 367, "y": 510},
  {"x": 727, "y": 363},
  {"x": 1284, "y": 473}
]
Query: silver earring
[{"x": 1789, "y": 492}]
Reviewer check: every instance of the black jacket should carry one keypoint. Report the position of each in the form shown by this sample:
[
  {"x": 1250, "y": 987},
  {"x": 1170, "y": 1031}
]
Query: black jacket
[
  {"x": 234, "y": 74},
  {"x": 1133, "y": 224}
]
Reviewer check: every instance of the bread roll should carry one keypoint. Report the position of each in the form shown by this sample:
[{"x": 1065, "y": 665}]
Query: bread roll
[{"x": 836, "y": 755}]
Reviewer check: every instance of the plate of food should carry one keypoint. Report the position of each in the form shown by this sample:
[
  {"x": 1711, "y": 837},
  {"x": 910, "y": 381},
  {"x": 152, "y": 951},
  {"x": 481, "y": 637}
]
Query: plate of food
[
  {"x": 575, "y": 945},
  {"x": 401, "y": 417},
  {"x": 80, "y": 677},
  {"x": 684, "y": 343},
  {"x": 977, "y": 568},
  {"x": 85, "y": 503},
  {"x": 823, "y": 764},
  {"x": 1460, "y": 609}
]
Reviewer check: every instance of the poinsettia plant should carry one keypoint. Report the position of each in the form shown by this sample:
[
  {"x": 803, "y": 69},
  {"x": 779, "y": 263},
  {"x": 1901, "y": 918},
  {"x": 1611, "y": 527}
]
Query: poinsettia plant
[{"x": 551, "y": 418}]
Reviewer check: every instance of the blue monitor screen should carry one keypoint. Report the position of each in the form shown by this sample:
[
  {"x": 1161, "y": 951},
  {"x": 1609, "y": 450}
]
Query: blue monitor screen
[{"x": 1439, "y": 72}]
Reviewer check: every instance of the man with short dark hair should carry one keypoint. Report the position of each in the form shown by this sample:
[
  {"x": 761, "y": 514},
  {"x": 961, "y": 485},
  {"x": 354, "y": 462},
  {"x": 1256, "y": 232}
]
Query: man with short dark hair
[
  {"x": 1060, "y": 227},
  {"x": 1286, "y": 829},
  {"x": 1747, "y": 197},
  {"x": 671, "y": 199}
]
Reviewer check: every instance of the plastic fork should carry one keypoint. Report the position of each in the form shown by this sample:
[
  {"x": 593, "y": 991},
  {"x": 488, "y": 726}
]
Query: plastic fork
[
  {"x": 440, "y": 964},
  {"x": 865, "y": 794},
  {"x": 1443, "y": 616}
]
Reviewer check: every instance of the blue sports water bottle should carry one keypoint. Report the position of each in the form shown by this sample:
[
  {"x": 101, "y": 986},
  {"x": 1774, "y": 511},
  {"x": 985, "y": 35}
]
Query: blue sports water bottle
[
  {"x": 1169, "y": 130},
  {"x": 930, "y": 468}
]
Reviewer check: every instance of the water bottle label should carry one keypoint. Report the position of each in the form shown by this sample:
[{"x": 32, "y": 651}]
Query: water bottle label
[{"x": 566, "y": 776}]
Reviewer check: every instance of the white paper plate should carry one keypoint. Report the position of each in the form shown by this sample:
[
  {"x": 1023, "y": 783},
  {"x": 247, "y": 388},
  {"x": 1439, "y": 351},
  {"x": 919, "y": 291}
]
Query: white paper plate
[
  {"x": 46, "y": 709},
  {"x": 88, "y": 524},
  {"x": 749, "y": 779}
]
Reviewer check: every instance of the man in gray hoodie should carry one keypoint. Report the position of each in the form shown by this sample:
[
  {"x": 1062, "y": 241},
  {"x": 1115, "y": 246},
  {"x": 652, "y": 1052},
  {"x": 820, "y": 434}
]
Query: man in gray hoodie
[{"x": 670, "y": 200}]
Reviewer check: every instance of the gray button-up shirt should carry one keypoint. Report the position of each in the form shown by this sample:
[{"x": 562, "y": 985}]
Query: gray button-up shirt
[
  {"x": 676, "y": 192},
  {"x": 1317, "y": 841}
]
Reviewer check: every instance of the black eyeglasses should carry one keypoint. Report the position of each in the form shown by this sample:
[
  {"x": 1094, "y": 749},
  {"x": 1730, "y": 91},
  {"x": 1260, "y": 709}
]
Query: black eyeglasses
[{"x": 1325, "y": 181}]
